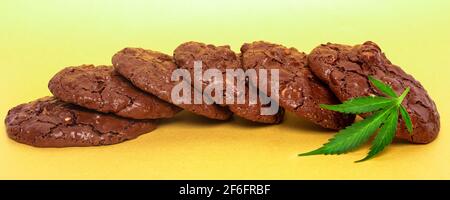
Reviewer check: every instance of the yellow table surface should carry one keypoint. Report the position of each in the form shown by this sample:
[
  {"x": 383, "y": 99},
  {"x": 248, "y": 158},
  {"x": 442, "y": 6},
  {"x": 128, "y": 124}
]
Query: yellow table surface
[{"x": 38, "y": 38}]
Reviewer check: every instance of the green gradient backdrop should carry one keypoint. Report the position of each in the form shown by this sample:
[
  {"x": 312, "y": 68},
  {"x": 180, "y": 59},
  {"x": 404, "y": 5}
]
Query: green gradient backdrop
[{"x": 38, "y": 38}]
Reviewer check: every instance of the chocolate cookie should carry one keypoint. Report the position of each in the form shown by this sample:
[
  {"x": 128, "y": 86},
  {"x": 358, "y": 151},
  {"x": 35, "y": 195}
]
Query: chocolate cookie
[
  {"x": 49, "y": 122},
  {"x": 221, "y": 58},
  {"x": 300, "y": 91},
  {"x": 252, "y": 112},
  {"x": 346, "y": 69},
  {"x": 151, "y": 71},
  {"x": 102, "y": 89}
]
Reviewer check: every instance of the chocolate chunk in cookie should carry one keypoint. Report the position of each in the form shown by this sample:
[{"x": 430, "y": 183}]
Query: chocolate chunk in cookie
[
  {"x": 346, "y": 69},
  {"x": 222, "y": 58},
  {"x": 300, "y": 91},
  {"x": 49, "y": 122},
  {"x": 102, "y": 89},
  {"x": 151, "y": 71}
]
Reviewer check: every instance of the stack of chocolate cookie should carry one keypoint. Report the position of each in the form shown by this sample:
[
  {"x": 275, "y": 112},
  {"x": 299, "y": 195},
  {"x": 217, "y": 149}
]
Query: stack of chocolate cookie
[{"x": 101, "y": 105}]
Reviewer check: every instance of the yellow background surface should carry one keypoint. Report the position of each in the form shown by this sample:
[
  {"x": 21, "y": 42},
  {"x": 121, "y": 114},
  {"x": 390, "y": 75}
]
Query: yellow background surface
[{"x": 38, "y": 38}]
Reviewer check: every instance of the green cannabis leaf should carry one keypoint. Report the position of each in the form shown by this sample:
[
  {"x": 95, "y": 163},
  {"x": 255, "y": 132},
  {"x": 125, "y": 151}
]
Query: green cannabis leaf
[
  {"x": 384, "y": 88},
  {"x": 361, "y": 105},
  {"x": 407, "y": 119},
  {"x": 384, "y": 136},
  {"x": 384, "y": 119}
]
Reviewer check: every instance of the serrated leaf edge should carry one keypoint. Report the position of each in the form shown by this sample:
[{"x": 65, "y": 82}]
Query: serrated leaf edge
[
  {"x": 406, "y": 119},
  {"x": 386, "y": 132},
  {"x": 347, "y": 105},
  {"x": 383, "y": 87},
  {"x": 381, "y": 114}
]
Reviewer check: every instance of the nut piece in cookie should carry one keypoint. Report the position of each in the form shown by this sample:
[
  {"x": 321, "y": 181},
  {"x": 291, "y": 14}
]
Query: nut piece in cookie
[
  {"x": 346, "y": 69},
  {"x": 103, "y": 89},
  {"x": 151, "y": 71},
  {"x": 49, "y": 122},
  {"x": 222, "y": 58},
  {"x": 300, "y": 91}
]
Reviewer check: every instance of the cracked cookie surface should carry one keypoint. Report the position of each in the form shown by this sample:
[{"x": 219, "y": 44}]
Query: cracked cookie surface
[
  {"x": 222, "y": 58},
  {"x": 151, "y": 71},
  {"x": 103, "y": 89},
  {"x": 300, "y": 91},
  {"x": 346, "y": 69},
  {"x": 49, "y": 122}
]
